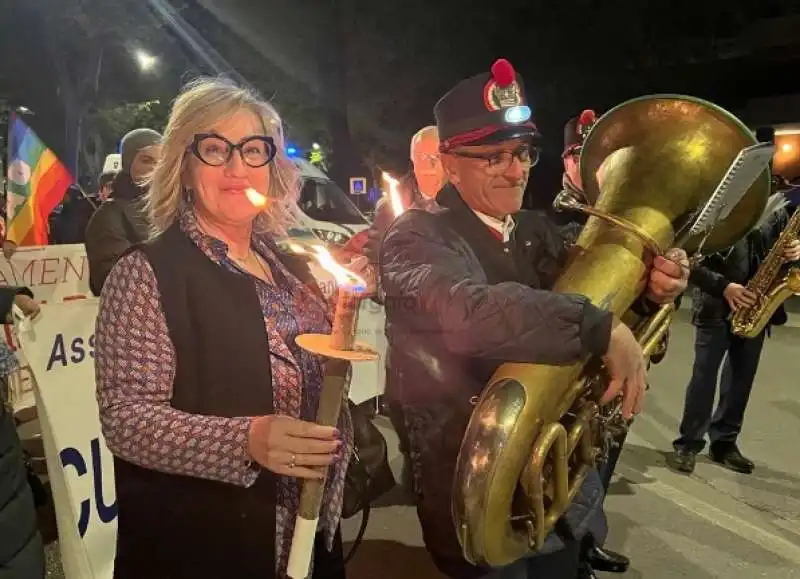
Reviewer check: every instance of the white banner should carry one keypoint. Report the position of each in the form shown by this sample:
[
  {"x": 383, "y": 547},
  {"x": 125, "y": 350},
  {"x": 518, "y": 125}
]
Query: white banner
[
  {"x": 59, "y": 346},
  {"x": 54, "y": 273}
]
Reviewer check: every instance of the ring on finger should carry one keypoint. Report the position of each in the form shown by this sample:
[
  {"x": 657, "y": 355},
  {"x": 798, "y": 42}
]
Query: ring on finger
[{"x": 293, "y": 461}]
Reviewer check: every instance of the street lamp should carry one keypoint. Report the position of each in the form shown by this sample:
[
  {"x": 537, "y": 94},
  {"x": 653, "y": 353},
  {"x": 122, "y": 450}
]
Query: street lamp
[{"x": 146, "y": 61}]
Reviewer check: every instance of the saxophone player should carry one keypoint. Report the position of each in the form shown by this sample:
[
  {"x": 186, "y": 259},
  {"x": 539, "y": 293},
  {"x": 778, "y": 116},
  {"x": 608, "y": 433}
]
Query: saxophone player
[
  {"x": 719, "y": 289},
  {"x": 466, "y": 288}
]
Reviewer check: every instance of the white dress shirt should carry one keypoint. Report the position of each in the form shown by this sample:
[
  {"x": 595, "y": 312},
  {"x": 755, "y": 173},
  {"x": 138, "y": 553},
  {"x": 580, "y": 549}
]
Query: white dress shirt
[{"x": 505, "y": 227}]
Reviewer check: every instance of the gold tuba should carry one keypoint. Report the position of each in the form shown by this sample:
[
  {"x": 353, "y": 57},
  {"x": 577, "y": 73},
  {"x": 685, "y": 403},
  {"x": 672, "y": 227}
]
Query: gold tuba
[{"x": 536, "y": 430}]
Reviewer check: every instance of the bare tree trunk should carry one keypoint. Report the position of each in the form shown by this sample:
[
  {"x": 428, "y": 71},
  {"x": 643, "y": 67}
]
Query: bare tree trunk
[
  {"x": 335, "y": 29},
  {"x": 78, "y": 99}
]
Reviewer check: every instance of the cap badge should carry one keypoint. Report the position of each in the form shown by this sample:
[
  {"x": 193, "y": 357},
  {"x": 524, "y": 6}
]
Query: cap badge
[{"x": 502, "y": 90}]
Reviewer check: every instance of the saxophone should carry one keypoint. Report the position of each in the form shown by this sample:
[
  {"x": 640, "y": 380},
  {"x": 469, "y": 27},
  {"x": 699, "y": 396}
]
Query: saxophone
[
  {"x": 537, "y": 431},
  {"x": 771, "y": 285}
]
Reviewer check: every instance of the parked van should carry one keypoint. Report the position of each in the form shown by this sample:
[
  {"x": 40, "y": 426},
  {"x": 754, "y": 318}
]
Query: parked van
[{"x": 327, "y": 210}]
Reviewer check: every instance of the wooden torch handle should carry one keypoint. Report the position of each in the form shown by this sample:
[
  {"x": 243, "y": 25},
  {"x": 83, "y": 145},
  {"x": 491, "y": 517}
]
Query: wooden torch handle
[{"x": 330, "y": 406}]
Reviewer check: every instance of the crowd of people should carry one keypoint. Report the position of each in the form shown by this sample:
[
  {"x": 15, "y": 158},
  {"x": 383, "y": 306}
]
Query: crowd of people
[{"x": 208, "y": 404}]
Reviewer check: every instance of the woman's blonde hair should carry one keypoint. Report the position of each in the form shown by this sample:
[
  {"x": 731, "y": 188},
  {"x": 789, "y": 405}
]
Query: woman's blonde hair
[{"x": 201, "y": 104}]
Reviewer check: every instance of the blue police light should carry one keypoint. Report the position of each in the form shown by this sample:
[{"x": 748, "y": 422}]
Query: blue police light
[
  {"x": 291, "y": 151},
  {"x": 518, "y": 114}
]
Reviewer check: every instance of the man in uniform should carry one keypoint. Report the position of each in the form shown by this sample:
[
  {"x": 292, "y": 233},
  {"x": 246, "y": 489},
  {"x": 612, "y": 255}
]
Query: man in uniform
[{"x": 466, "y": 290}]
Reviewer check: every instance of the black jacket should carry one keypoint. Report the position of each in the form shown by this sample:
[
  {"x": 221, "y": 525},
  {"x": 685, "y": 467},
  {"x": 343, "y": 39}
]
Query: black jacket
[
  {"x": 69, "y": 226},
  {"x": 116, "y": 226},
  {"x": 459, "y": 303},
  {"x": 21, "y": 550},
  {"x": 735, "y": 265},
  {"x": 457, "y": 291}
]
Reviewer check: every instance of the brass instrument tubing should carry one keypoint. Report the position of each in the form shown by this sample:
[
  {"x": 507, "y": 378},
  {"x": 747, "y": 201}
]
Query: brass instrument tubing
[
  {"x": 655, "y": 329},
  {"x": 565, "y": 202}
]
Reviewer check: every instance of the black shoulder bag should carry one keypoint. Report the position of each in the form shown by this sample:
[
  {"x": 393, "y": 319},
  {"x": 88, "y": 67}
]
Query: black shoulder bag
[{"x": 368, "y": 475}]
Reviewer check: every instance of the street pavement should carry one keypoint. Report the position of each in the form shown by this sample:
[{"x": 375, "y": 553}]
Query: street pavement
[{"x": 714, "y": 524}]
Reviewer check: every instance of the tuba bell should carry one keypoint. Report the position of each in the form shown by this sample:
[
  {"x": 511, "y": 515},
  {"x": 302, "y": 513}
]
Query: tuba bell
[{"x": 536, "y": 431}]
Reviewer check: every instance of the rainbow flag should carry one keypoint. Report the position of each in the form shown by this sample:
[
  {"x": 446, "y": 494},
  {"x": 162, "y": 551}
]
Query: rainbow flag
[{"x": 36, "y": 184}]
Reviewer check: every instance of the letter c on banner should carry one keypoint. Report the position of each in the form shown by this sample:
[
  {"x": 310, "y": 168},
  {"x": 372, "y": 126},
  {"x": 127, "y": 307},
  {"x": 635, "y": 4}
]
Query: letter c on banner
[
  {"x": 107, "y": 513},
  {"x": 72, "y": 457}
]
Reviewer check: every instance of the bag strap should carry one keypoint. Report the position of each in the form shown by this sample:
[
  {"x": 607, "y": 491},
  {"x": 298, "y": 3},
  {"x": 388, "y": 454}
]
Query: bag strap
[
  {"x": 362, "y": 478},
  {"x": 361, "y": 531}
]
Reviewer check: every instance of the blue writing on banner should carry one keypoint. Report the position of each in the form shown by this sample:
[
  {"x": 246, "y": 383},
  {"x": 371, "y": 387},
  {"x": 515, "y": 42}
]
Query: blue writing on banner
[
  {"x": 77, "y": 351},
  {"x": 72, "y": 457}
]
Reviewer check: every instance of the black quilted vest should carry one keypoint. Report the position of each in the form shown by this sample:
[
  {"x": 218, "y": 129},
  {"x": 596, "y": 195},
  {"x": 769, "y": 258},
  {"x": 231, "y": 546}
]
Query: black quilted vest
[{"x": 172, "y": 526}]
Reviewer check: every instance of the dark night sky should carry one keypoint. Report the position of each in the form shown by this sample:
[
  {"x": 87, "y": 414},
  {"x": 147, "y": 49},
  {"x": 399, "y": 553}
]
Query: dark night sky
[{"x": 400, "y": 56}]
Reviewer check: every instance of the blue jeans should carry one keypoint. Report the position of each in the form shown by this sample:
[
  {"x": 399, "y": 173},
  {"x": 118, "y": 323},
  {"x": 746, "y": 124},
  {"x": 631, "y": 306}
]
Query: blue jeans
[{"x": 713, "y": 341}]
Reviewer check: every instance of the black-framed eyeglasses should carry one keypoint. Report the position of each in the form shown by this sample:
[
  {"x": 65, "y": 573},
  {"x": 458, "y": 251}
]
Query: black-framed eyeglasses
[
  {"x": 499, "y": 161},
  {"x": 215, "y": 150}
]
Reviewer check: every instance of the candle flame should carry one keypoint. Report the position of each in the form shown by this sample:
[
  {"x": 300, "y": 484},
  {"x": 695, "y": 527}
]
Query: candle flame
[
  {"x": 256, "y": 198},
  {"x": 344, "y": 277},
  {"x": 394, "y": 194}
]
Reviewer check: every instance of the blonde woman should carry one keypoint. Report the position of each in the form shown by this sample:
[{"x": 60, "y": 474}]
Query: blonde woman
[{"x": 205, "y": 400}]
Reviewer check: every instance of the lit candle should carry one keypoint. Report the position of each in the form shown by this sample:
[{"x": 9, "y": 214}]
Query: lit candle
[
  {"x": 351, "y": 289},
  {"x": 394, "y": 194},
  {"x": 345, "y": 316}
]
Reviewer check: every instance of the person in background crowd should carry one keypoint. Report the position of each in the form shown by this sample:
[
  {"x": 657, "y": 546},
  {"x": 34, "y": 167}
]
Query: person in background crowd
[
  {"x": 9, "y": 247},
  {"x": 105, "y": 186},
  {"x": 427, "y": 162},
  {"x": 69, "y": 225},
  {"x": 119, "y": 223},
  {"x": 205, "y": 399},
  {"x": 719, "y": 288},
  {"x": 477, "y": 270},
  {"x": 21, "y": 549},
  {"x": 417, "y": 188}
]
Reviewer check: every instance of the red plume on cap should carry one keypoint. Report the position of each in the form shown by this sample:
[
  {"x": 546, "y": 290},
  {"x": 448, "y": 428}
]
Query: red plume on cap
[
  {"x": 587, "y": 118},
  {"x": 585, "y": 123},
  {"x": 503, "y": 72}
]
